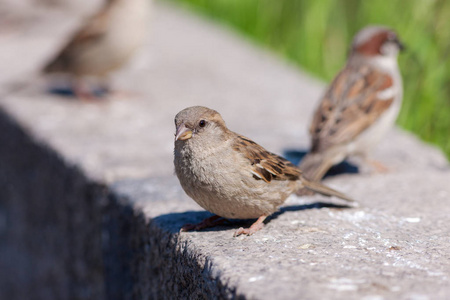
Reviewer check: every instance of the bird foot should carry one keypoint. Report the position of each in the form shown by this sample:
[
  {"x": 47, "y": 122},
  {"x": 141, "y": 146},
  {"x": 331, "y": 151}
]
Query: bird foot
[
  {"x": 206, "y": 223},
  {"x": 258, "y": 225},
  {"x": 86, "y": 95},
  {"x": 378, "y": 166}
]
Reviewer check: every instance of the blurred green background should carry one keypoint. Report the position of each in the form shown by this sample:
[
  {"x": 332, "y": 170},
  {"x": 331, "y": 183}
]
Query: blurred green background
[{"x": 316, "y": 34}]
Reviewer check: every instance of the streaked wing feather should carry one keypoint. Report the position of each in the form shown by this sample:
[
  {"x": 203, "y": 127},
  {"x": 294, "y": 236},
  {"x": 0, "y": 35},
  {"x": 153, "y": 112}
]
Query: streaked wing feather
[
  {"x": 264, "y": 164},
  {"x": 350, "y": 105}
]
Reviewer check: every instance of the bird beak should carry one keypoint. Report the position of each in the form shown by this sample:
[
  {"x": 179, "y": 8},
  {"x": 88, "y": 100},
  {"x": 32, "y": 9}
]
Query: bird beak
[
  {"x": 401, "y": 46},
  {"x": 183, "y": 133}
]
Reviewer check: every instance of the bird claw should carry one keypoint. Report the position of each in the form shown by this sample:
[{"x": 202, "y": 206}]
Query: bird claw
[
  {"x": 258, "y": 225},
  {"x": 378, "y": 166},
  {"x": 241, "y": 231}
]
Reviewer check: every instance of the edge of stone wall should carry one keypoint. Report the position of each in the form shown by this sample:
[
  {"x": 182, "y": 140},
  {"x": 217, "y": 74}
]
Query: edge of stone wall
[{"x": 65, "y": 237}]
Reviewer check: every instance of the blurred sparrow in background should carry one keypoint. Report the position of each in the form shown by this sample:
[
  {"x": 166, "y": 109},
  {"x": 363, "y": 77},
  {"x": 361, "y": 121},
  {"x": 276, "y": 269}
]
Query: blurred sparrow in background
[
  {"x": 103, "y": 44},
  {"x": 360, "y": 106},
  {"x": 230, "y": 175}
]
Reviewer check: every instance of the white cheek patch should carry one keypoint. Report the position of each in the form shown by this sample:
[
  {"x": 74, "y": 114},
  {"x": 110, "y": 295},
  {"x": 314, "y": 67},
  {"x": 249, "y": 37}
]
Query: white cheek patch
[
  {"x": 386, "y": 94},
  {"x": 386, "y": 63},
  {"x": 384, "y": 49},
  {"x": 389, "y": 49}
]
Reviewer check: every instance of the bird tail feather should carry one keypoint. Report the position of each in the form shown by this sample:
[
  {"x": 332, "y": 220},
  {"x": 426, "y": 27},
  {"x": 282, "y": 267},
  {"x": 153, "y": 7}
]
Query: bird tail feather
[
  {"x": 324, "y": 190},
  {"x": 314, "y": 166}
]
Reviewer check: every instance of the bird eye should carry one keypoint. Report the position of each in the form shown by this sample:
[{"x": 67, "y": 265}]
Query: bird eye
[
  {"x": 392, "y": 37},
  {"x": 202, "y": 123}
]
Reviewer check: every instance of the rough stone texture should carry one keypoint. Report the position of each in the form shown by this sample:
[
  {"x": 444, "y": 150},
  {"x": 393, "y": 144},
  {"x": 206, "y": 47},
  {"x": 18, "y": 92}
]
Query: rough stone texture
[
  {"x": 145, "y": 261},
  {"x": 50, "y": 223},
  {"x": 394, "y": 246}
]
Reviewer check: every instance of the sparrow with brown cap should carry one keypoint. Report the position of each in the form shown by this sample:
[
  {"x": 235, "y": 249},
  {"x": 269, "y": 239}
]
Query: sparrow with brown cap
[{"x": 360, "y": 105}]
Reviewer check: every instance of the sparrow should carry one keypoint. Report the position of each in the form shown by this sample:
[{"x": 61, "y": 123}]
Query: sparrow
[
  {"x": 230, "y": 175},
  {"x": 360, "y": 105},
  {"x": 105, "y": 43}
]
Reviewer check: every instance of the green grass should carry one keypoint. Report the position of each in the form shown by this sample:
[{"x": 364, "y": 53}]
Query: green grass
[{"x": 315, "y": 35}]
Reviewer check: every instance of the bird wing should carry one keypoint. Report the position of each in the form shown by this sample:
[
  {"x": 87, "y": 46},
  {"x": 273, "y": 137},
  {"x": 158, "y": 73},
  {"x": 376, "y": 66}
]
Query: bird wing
[
  {"x": 356, "y": 98},
  {"x": 263, "y": 164},
  {"x": 93, "y": 30}
]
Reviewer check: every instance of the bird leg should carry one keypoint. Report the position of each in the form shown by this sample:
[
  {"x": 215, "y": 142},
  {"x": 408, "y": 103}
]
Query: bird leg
[
  {"x": 104, "y": 87},
  {"x": 206, "y": 223},
  {"x": 378, "y": 166},
  {"x": 258, "y": 225},
  {"x": 83, "y": 92}
]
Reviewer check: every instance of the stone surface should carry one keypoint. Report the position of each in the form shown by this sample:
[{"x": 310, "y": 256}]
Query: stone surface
[
  {"x": 50, "y": 223},
  {"x": 394, "y": 246}
]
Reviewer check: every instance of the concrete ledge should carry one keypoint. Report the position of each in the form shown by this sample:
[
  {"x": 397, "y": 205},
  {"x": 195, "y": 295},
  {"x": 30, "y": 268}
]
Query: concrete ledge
[
  {"x": 64, "y": 237},
  {"x": 50, "y": 216},
  {"x": 90, "y": 208},
  {"x": 146, "y": 261}
]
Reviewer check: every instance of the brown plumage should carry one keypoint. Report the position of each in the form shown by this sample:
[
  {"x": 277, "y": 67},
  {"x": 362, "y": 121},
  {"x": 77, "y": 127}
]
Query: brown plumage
[
  {"x": 103, "y": 44},
  {"x": 231, "y": 175},
  {"x": 67, "y": 60},
  {"x": 350, "y": 107},
  {"x": 360, "y": 105}
]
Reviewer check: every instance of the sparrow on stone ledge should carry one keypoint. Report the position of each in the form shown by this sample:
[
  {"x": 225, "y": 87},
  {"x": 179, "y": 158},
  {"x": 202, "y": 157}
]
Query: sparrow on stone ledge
[
  {"x": 360, "y": 106},
  {"x": 229, "y": 174},
  {"x": 103, "y": 44}
]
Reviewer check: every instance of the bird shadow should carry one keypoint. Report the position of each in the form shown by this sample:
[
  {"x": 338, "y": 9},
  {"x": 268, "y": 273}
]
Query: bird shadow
[
  {"x": 345, "y": 167},
  {"x": 172, "y": 222},
  {"x": 68, "y": 92}
]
